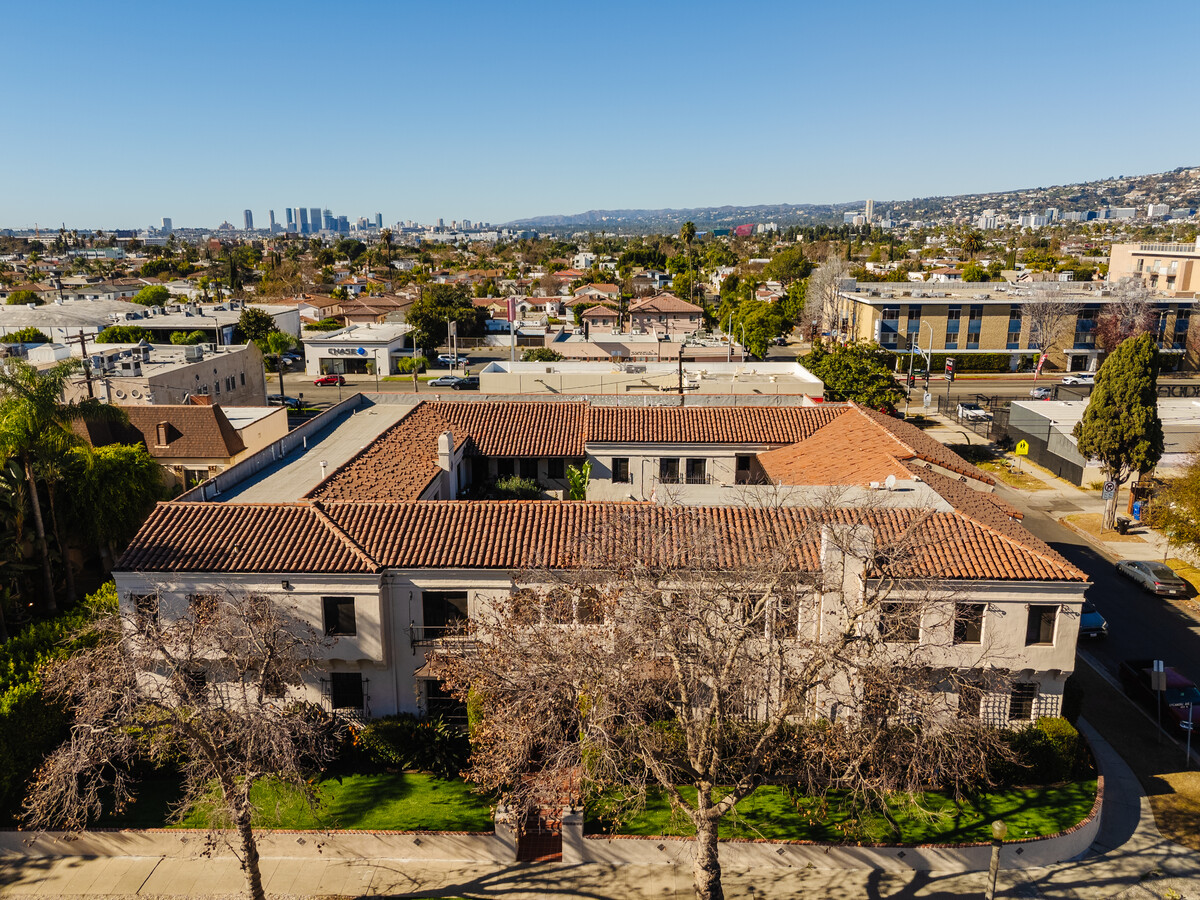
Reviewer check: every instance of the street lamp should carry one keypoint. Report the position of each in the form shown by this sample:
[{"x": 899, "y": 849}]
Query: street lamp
[
  {"x": 928, "y": 362},
  {"x": 999, "y": 830}
]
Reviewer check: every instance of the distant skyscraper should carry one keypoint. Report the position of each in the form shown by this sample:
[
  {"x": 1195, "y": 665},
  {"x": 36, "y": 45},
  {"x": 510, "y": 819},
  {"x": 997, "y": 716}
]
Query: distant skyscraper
[
  {"x": 441, "y": 224},
  {"x": 870, "y": 211},
  {"x": 249, "y": 220},
  {"x": 291, "y": 220},
  {"x": 167, "y": 227},
  {"x": 328, "y": 222},
  {"x": 378, "y": 220},
  {"x": 302, "y": 219},
  {"x": 271, "y": 215},
  {"x": 343, "y": 225},
  {"x": 314, "y": 217}
]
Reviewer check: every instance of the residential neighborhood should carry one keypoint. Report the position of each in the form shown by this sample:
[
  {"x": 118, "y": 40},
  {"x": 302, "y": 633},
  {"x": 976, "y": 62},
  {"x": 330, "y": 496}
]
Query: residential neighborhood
[{"x": 656, "y": 479}]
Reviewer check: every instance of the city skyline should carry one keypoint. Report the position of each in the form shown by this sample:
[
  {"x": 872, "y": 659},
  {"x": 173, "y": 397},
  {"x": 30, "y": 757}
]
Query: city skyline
[{"x": 458, "y": 132}]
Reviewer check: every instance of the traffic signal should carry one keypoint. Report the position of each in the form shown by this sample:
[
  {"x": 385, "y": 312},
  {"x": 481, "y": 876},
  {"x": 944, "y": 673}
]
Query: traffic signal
[
  {"x": 912, "y": 379},
  {"x": 949, "y": 370}
]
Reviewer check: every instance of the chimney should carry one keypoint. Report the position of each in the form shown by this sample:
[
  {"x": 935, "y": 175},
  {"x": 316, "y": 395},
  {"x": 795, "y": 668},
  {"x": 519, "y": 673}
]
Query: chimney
[
  {"x": 846, "y": 551},
  {"x": 447, "y": 464}
]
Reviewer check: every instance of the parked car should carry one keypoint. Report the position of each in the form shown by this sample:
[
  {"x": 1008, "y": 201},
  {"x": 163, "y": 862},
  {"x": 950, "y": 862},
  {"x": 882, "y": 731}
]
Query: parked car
[
  {"x": 470, "y": 383},
  {"x": 1079, "y": 378},
  {"x": 281, "y": 400},
  {"x": 973, "y": 411},
  {"x": 1042, "y": 393},
  {"x": 1091, "y": 623},
  {"x": 1180, "y": 699},
  {"x": 445, "y": 359},
  {"x": 1155, "y": 577},
  {"x": 445, "y": 381},
  {"x": 330, "y": 379}
]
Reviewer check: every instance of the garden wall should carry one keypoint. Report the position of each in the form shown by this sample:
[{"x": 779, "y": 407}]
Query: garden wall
[
  {"x": 499, "y": 846},
  {"x": 635, "y": 849}
]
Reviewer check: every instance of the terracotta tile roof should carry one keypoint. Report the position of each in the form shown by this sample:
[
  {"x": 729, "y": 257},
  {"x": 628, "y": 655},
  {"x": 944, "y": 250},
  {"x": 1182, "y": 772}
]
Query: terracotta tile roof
[
  {"x": 852, "y": 449},
  {"x": 924, "y": 447},
  {"x": 599, "y": 311},
  {"x": 227, "y": 537},
  {"x": 663, "y": 303},
  {"x": 518, "y": 428},
  {"x": 360, "y": 537},
  {"x": 707, "y": 425},
  {"x": 396, "y": 466},
  {"x": 191, "y": 432}
]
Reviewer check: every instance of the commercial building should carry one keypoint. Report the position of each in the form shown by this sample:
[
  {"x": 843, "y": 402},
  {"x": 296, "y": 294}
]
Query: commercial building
[
  {"x": 577, "y": 377},
  {"x": 146, "y": 374},
  {"x": 248, "y": 220},
  {"x": 357, "y": 526},
  {"x": 965, "y": 319},
  {"x": 1170, "y": 269},
  {"x": 363, "y": 349}
]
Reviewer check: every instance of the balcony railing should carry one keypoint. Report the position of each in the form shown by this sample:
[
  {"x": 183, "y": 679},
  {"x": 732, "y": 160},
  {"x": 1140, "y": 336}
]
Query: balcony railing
[
  {"x": 439, "y": 634},
  {"x": 1168, "y": 248},
  {"x": 684, "y": 479}
]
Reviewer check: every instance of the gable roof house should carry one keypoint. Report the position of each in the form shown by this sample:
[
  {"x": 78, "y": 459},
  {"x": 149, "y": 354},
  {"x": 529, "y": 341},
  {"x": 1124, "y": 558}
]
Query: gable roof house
[{"x": 388, "y": 527}]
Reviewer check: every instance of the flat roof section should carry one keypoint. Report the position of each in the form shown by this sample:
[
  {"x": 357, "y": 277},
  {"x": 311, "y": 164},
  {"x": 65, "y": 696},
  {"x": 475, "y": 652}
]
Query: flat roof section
[{"x": 291, "y": 477}]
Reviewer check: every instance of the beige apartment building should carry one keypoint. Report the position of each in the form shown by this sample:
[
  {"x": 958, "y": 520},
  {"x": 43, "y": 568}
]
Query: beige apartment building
[
  {"x": 1171, "y": 269},
  {"x": 382, "y": 555},
  {"x": 993, "y": 318}
]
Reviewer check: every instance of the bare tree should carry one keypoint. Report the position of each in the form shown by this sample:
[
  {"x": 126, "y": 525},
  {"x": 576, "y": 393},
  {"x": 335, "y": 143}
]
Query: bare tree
[
  {"x": 211, "y": 681},
  {"x": 1129, "y": 313},
  {"x": 1051, "y": 317},
  {"x": 825, "y": 305},
  {"x": 681, "y": 654}
]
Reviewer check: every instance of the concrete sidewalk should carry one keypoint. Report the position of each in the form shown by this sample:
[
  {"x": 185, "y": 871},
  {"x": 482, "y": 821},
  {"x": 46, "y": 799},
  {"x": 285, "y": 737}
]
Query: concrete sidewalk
[{"x": 1129, "y": 860}]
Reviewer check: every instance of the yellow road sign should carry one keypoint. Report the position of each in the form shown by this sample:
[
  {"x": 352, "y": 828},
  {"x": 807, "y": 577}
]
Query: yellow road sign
[{"x": 1023, "y": 448}]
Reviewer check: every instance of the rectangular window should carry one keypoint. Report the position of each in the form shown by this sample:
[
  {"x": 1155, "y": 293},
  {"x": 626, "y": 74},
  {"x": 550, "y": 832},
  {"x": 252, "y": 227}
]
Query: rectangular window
[
  {"x": 1039, "y": 627},
  {"x": 951, "y": 340},
  {"x": 556, "y": 469},
  {"x": 891, "y": 313},
  {"x": 195, "y": 679},
  {"x": 145, "y": 606},
  {"x": 346, "y": 690},
  {"x": 529, "y": 469},
  {"x": 668, "y": 470},
  {"x": 953, "y": 315},
  {"x": 914, "y": 319},
  {"x": 972, "y": 340},
  {"x": 900, "y": 623},
  {"x": 1020, "y": 702},
  {"x": 243, "y": 379},
  {"x": 505, "y": 467},
  {"x": 970, "y": 699},
  {"x": 339, "y": 615},
  {"x": 1014, "y": 338},
  {"x": 443, "y": 609},
  {"x": 202, "y": 606},
  {"x": 697, "y": 471},
  {"x": 968, "y": 623},
  {"x": 975, "y": 319},
  {"x": 620, "y": 469}
]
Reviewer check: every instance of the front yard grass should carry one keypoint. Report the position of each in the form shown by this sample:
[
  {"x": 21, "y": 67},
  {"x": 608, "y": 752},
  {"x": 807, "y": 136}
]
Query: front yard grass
[
  {"x": 769, "y": 814},
  {"x": 1090, "y": 524},
  {"x": 983, "y": 457},
  {"x": 383, "y": 802}
]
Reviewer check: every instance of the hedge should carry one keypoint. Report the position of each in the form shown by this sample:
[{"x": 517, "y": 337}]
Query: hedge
[{"x": 963, "y": 362}]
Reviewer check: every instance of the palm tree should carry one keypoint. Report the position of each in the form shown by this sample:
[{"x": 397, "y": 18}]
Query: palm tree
[
  {"x": 972, "y": 244},
  {"x": 688, "y": 234},
  {"x": 35, "y": 423},
  {"x": 278, "y": 343},
  {"x": 385, "y": 238}
]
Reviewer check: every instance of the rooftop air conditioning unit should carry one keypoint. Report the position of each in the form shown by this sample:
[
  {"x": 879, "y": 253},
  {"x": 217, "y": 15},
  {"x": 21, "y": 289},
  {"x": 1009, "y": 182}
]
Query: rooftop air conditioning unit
[{"x": 193, "y": 353}]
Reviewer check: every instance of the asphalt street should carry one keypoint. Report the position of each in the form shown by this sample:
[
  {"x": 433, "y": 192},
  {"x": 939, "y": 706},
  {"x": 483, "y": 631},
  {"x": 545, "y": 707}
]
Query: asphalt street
[{"x": 1139, "y": 624}]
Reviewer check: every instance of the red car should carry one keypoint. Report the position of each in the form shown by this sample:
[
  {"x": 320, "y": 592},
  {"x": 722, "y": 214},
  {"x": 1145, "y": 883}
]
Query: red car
[{"x": 330, "y": 379}]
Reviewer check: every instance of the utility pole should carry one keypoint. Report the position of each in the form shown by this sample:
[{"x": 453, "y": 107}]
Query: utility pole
[
  {"x": 87, "y": 369},
  {"x": 681, "y": 371}
]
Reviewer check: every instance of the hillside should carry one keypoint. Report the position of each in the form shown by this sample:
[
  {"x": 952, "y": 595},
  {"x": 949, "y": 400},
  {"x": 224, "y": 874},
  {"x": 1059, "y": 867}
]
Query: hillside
[{"x": 1177, "y": 188}]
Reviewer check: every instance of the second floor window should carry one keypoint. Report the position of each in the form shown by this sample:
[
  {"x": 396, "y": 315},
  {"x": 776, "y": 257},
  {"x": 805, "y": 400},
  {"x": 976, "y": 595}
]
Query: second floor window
[
  {"x": 620, "y": 469},
  {"x": 696, "y": 471},
  {"x": 900, "y": 622},
  {"x": 668, "y": 470},
  {"x": 339, "y": 615},
  {"x": 1039, "y": 626},
  {"x": 968, "y": 623}
]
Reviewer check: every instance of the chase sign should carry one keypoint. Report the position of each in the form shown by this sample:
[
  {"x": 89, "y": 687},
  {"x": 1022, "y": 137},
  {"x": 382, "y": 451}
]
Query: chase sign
[{"x": 348, "y": 351}]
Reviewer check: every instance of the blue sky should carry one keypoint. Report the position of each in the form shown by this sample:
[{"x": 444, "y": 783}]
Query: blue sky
[{"x": 120, "y": 113}]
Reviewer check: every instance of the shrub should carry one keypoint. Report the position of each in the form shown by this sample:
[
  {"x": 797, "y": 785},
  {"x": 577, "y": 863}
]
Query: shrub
[
  {"x": 1049, "y": 752},
  {"x": 28, "y": 335},
  {"x": 326, "y": 324},
  {"x": 1072, "y": 701},
  {"x": 20, "y": 298},
  {"x": 514, "y": 487},
  {"x": 408, "y": 742},
  {"x": 408, "y": 364}
]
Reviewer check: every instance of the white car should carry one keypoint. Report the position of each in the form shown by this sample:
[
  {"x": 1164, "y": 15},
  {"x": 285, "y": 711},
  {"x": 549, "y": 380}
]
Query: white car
[
  {"x": 973, "y": 411},
  {"x": 1079, "y": 378}
]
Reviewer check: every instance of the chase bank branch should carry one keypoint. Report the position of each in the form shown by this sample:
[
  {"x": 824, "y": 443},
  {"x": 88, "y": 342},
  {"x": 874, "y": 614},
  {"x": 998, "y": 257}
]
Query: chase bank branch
[{"x": 357, "y": 350}]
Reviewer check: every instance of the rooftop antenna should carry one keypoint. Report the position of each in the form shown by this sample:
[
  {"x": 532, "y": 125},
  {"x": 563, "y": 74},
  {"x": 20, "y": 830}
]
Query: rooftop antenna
[{"x": 890, "y": 482}]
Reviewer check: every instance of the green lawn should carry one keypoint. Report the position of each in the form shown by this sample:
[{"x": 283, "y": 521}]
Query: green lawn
[
  {"x": 408, "y": 802},
  {"x": 769, "y": 813}
]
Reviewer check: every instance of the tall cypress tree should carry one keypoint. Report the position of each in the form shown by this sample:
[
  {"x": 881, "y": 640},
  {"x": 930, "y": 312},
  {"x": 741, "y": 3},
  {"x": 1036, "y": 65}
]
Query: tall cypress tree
[{"x": 1120, "y": 426}]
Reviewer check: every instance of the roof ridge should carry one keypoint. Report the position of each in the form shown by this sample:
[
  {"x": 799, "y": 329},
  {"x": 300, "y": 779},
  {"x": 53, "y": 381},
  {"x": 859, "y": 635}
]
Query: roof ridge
[{"x": 346, "y": 540}]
